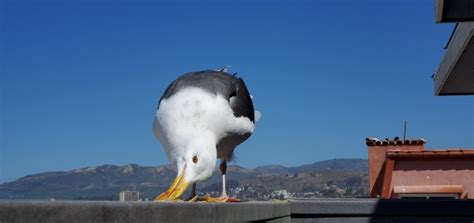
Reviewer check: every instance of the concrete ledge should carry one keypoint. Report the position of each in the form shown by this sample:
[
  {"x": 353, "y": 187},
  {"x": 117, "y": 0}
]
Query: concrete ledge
[
  {"x": 320, "y": 210},
  {"x": 333, "y": 207},
  {"x": 118, "y": 212}
]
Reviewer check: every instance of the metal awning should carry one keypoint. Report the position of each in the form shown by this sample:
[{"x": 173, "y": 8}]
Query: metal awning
[{"x": 455, "y": 75}]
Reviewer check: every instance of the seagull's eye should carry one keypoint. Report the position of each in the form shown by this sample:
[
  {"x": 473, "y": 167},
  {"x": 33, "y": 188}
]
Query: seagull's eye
[{"x": 195, "y": 159}]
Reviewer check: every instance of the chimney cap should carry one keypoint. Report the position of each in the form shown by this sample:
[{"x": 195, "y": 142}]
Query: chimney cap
[{"x": 372, "y": 141}]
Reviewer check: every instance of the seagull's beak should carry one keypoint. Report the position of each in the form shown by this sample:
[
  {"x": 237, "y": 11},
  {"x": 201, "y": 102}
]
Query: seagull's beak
[{"x": 176, "y": 189}]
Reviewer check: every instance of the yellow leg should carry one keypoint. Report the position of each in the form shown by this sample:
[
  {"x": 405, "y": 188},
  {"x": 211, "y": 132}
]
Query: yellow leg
[{"x": 194, "y": 199}]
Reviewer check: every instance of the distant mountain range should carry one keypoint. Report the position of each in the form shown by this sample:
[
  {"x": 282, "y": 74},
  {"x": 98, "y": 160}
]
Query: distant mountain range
[{"x": 330, "y": 178}]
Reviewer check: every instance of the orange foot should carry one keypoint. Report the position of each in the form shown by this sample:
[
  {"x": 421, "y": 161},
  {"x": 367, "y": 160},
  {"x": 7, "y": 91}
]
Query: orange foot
[{"x": 208, "y": 198}]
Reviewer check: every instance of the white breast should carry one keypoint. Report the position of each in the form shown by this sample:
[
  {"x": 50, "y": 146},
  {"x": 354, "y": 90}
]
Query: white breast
[{"x": 193, "y": 112}]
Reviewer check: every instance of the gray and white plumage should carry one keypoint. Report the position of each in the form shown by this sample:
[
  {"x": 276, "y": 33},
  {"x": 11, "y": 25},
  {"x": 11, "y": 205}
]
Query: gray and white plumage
[{"x": 204, "y": 114}]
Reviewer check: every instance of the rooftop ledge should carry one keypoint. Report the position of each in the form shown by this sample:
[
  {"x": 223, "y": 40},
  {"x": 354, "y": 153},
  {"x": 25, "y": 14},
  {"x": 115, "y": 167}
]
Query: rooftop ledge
[{"x": 319, "y": 210}]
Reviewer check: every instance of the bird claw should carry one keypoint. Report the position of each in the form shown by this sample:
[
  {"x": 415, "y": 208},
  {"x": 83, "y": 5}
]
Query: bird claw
[
  {"x": 231, "y": 199},
  {"x": 209, "y": 199}
]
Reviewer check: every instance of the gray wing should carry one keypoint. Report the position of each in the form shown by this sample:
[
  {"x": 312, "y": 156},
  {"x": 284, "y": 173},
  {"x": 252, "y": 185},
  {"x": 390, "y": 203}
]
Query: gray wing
[
  {"x": 242, "y": 105},
  {"x": 241, "y": 102}
]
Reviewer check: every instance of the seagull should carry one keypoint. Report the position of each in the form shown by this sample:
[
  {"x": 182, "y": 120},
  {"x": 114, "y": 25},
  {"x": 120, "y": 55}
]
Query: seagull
[{"x": 201, "y": 117}]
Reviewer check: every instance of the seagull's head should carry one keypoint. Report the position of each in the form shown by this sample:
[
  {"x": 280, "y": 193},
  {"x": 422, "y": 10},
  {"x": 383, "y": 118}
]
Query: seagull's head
[
  {"x": 195, "y": 162},
  {"x": 198, "y": 163}
]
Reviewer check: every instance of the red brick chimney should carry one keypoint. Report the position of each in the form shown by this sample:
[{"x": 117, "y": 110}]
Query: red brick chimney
[{"x": 377, "y": 156}]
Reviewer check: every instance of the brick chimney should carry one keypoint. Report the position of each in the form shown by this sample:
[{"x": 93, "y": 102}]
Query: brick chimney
[{"x": 377, "y": 156}]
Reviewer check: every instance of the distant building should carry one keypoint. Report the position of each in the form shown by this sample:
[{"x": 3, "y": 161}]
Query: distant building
[
  {"x": 404, "y": 169},
  {"x": 129, "y": 195},
  {"x": 280, "y": 194}
]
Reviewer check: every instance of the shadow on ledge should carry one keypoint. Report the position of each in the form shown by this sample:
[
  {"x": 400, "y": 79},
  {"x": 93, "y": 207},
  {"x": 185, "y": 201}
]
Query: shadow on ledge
[{"x": 378, "y": 211}]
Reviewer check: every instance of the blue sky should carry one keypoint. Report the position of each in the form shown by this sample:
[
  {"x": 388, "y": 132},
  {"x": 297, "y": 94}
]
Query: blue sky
[{"x": 80, "y": 80}]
